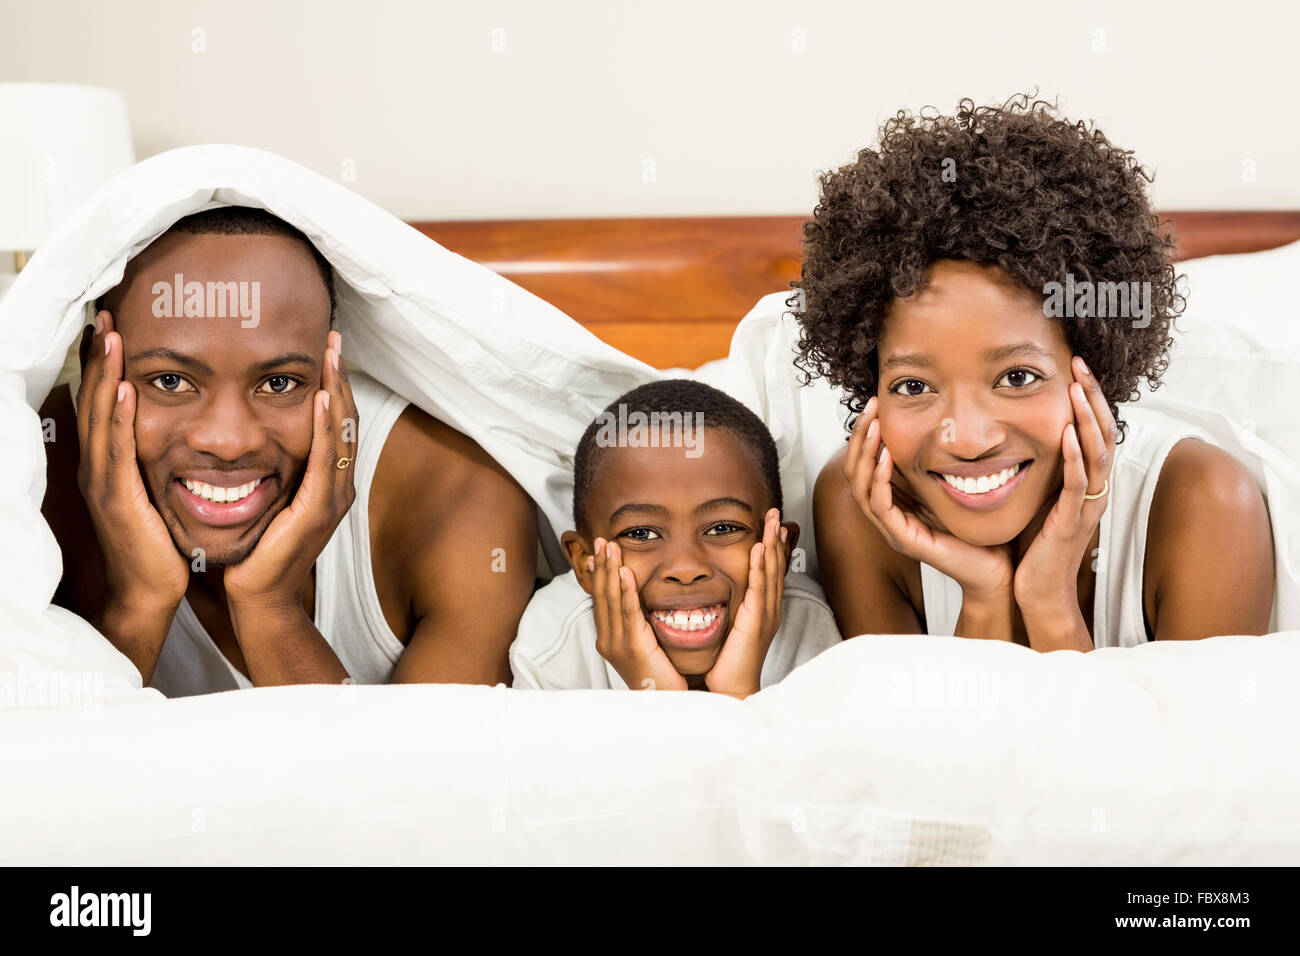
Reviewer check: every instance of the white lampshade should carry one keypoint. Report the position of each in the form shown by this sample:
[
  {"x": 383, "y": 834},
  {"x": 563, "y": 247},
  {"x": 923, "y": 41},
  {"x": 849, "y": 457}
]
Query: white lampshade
[{"x": 59, "y": 142}]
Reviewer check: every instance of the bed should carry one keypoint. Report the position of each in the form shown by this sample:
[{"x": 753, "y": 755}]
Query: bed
[
  {"x": 889, "y": 749},
  {"x": 671, "y": 291}
]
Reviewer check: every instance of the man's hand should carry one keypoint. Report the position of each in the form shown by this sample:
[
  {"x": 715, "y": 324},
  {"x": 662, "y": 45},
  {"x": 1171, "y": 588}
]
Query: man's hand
[
  {"x": 145, "y": 576},
  {"x": 274, "y": 576},
  {"x": 623, "y": 635},
  {"x": 739, "y": 667}
]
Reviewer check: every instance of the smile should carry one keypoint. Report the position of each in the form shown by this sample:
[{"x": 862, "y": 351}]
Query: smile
[
  {"x": 984, "y": 483},
  {"x": 223, "y": 506},
  {"x": 689, "y": 627},
  {"x": 985, "y": 491},
  {"x": 220, "y": 495}
]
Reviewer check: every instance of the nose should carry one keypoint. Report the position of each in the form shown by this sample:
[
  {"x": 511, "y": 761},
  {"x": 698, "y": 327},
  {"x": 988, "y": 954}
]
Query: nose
[
  {"x": 225, "y": 426},
  {"x": 970, "y": 426},
  {"x": 685, "y": 564}
]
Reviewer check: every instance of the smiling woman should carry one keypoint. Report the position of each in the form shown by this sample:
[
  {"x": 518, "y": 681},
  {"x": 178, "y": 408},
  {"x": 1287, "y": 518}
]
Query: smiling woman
[{"x": 987, "y": 489}]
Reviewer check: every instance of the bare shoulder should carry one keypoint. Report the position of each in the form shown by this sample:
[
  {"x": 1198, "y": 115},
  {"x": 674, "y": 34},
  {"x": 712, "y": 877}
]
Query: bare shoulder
[
  {"x": 840, "y": 519},
  {"x": 871, "y": 587},
  {"x": 1209, "y": 542},
  {"x": 1200, "y": 482},
  {"x": 428, "y": 469}
]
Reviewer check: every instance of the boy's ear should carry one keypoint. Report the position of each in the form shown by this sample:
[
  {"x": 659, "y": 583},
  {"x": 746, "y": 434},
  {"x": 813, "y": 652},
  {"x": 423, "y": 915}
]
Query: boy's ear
[
  {"x": 576, "y": 550},
  {"x": 791, "y": 539}
]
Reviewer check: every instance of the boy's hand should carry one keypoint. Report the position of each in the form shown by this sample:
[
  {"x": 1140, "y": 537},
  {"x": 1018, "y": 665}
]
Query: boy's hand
[
  {"x": 144, "y": 571},
  {"x": 275, "y": 574},
  {"x": 740, "y": 665},
  {"x": 623, "y": 635}
]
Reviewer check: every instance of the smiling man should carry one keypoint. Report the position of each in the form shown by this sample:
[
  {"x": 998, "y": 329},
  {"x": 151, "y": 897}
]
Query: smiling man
[{"x": 239, "y": 511}]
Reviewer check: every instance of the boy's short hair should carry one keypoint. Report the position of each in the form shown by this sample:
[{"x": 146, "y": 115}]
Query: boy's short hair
[
  {"x": 1013, "y": 185},
  {"x": 685, "y": 397},
  {"x": 249, "y": 221}
]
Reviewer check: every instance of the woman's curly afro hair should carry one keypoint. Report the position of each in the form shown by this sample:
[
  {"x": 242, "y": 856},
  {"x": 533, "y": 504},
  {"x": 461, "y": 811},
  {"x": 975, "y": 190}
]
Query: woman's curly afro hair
[{"x": 1026, "y": 190}]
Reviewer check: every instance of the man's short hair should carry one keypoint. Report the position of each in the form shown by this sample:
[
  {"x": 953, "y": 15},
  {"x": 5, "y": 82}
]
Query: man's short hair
[
  {"x": 249, "y": 221},
  {"x": 684, "y": 397}
]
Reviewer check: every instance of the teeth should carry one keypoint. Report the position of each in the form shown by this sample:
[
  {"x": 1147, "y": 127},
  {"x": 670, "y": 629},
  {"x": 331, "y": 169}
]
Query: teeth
[
  {"x": 984, "y": 483},
  {"x": 694, "y": 620},
  {"x": 221, "y": 496}
]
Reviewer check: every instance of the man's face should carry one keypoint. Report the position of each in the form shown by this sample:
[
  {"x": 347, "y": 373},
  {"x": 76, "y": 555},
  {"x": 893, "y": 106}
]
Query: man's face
[
  {"x": 685, "y": 527},
  {"x": 224, "y": 410},
  {"x": 974, "y": 380}
]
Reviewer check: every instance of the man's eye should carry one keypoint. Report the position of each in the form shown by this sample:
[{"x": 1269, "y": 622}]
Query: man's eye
[
  {"x": 171, "y": 382},
  {"x": 280, "y": 384},
  {"x": 909, "y": 389},
  {"x": 640, "y": 534},
  {"x": 1016, "y": 378}
]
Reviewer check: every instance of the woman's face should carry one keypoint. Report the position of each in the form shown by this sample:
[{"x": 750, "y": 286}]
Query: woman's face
[{"x": 974, "y": 381}]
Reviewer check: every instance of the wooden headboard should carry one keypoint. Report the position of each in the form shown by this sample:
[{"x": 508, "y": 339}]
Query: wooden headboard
[{"x": 671, "y": 291}]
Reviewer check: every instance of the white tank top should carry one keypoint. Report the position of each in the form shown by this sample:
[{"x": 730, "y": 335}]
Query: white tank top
[
  {"x": 347, "y": 612},
  {"x": 1118, "y": 619}
]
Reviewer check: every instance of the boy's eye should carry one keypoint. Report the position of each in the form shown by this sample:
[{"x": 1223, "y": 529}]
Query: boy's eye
[
  {"x": 171, "y": 382},
  {"x": 280, "y": 384},
  {"x": 640, "y": 534},
  {"x": 909, "y": 386},
  {"x": 725, "y": 527},
  {"x": 1016, "y": 378}
]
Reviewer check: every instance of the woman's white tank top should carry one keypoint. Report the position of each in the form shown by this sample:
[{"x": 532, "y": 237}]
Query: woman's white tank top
[{"x": 1118, "y": 619}]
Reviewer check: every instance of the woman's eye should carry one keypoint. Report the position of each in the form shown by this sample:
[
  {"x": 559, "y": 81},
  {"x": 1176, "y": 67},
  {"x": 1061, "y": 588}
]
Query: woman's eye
[
  {"x": 912, "y": 387},
  {"x": 640, "y": 534},
  {"x": 1016, "y": 378},
  {"x": 171, "y": 382},
  {"x": 280, "y": 384}
]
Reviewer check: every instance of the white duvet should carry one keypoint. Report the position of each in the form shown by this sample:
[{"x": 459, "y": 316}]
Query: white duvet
[{"x": 883, "y": 750}]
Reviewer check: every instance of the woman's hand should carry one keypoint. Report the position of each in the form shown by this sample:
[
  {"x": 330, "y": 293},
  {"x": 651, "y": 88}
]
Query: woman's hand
[
  {"x": 984, "y": 573},
  {"x": 1046, "y": 579}
]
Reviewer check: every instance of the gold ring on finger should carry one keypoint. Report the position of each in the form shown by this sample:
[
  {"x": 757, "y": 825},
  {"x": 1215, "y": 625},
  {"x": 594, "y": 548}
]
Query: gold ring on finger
[{"x": 1104, "y": 488}]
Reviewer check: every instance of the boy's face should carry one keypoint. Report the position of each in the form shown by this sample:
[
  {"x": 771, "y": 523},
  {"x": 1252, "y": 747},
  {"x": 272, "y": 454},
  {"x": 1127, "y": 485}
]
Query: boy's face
[
  {"x": 974, "y": 379},
  {"x": 685, "y": 527},
  {"x": 219, "y": 402}
]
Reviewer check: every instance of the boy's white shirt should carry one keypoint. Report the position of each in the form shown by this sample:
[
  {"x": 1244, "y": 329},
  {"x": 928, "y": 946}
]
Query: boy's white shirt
[{"x": 555, "y": 648}]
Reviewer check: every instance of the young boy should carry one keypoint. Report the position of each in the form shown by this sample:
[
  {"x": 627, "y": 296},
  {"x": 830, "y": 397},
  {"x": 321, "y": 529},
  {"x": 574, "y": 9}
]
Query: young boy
[{"x": 679, "y": 557}]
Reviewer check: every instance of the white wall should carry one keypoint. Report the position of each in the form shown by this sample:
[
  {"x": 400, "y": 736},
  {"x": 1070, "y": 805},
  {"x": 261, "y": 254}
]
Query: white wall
[{"x": 736, "y": 105}]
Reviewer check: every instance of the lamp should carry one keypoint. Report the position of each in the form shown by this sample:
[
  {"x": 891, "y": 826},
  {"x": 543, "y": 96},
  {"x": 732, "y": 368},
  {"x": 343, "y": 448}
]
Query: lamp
[{"x": 59, "y": 142}]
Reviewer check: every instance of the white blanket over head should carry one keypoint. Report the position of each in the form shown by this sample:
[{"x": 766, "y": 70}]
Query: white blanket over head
[{"x": 466, "y": 345}]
